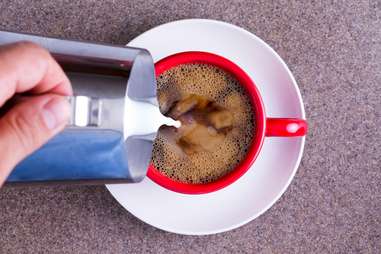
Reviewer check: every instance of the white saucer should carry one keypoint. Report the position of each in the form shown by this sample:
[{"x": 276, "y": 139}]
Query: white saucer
[{"x": 277, "y": 163}]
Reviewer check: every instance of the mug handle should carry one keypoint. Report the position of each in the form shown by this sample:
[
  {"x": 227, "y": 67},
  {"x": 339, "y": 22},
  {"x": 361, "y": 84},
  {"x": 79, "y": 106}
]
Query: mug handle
[{"x": 285, "y": 127}]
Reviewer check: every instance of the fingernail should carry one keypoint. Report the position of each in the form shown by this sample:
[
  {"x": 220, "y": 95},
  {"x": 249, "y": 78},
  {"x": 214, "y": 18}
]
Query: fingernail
[{"x": 55, "y": 112}]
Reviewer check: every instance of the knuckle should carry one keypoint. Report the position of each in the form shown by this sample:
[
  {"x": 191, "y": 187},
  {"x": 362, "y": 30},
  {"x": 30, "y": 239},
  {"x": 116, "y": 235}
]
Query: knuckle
[
  {"x": 27, "y": 45},
  {"x": 32, "y": 48}
]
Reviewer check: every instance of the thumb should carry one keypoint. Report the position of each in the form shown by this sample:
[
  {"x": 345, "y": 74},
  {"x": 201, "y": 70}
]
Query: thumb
[{"x": 27, "y": 126}]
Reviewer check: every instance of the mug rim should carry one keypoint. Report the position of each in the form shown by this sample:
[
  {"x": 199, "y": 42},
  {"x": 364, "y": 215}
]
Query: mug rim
[{"x": 248, "y": 84}]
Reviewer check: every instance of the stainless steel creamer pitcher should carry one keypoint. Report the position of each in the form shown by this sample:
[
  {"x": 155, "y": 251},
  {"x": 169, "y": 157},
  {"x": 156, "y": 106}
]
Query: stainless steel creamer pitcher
[{"x": 97, "y": 146}]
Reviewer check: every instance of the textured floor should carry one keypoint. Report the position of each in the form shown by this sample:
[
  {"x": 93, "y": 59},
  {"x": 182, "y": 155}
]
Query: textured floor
[{"x": 334, "y": 203}]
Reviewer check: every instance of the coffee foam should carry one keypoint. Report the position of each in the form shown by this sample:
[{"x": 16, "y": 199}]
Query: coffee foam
[{"x": 221, "y": 88}]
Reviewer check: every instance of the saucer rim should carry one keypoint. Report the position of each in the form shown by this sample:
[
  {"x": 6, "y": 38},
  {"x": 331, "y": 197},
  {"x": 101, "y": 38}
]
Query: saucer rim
[{"x": 301, "y": 148}]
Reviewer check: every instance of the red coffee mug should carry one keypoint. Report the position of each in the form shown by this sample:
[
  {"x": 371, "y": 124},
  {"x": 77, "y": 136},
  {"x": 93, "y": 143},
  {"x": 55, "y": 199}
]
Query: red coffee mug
[{"x": 265, "y": 127}]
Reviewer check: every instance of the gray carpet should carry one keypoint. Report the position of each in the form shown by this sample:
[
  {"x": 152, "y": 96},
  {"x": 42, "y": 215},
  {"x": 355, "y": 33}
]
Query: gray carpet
[{"x": 334, "y": 203}]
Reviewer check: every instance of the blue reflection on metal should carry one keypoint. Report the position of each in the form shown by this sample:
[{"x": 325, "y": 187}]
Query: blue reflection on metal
[{"x": 76, "y": 155}]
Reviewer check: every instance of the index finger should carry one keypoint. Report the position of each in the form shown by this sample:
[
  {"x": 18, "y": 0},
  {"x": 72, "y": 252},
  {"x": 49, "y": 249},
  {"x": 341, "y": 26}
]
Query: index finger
[{"x": 25, "y": 66}]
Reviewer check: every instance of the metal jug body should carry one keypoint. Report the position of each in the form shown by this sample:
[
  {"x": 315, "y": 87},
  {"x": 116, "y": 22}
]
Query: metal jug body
[{"x": 94, "y": 147}]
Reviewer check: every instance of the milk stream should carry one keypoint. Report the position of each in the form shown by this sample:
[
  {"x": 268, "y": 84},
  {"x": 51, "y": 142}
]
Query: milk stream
[{"x": 142, "y": 118}]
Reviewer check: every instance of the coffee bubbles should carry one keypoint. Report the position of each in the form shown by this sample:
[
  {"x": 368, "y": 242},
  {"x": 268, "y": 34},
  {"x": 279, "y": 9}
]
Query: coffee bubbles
[{"x": 217, "y": 123}]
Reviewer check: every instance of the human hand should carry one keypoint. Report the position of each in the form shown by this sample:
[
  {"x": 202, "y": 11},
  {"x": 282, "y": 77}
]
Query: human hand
[{"x": 33, "y": 120}]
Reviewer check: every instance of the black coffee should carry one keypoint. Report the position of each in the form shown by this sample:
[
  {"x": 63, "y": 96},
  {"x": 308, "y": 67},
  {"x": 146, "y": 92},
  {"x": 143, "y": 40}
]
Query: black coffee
[{"x": 217, "y": 123}]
